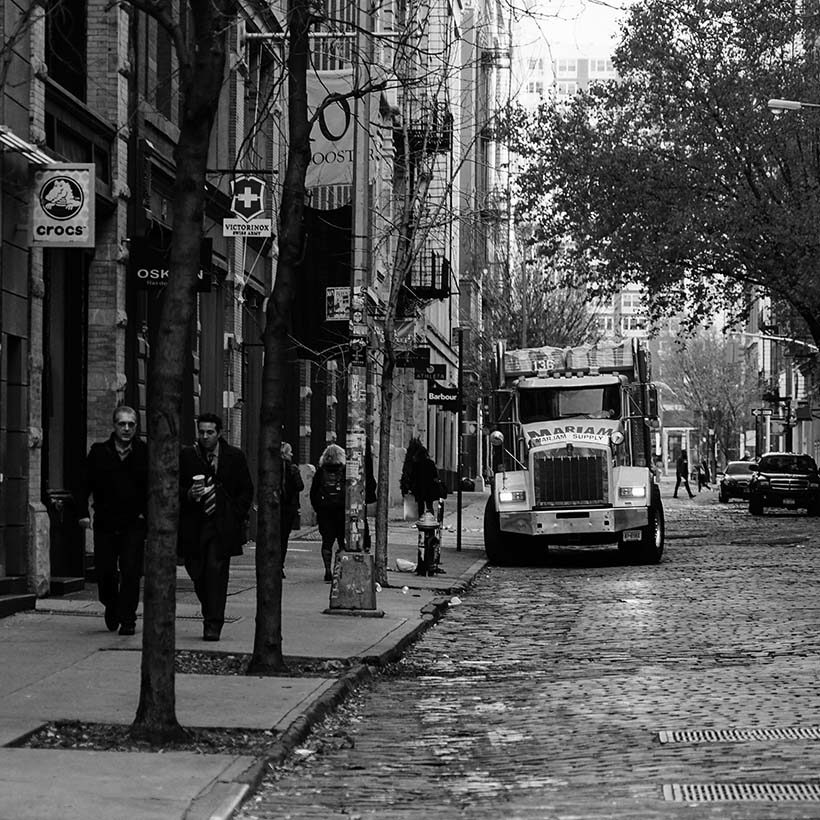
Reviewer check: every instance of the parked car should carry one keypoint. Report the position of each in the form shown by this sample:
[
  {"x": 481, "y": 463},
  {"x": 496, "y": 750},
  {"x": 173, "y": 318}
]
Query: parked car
[
  {"x": 787, "y": 480},
  {"x": 734, "y": 481}
]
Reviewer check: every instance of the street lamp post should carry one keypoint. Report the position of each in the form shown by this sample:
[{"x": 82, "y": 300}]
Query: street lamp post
[{"x": 779, "y": 106}]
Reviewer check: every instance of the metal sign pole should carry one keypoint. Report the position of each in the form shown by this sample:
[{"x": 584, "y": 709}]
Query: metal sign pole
[{"x": 353, "y": 589}]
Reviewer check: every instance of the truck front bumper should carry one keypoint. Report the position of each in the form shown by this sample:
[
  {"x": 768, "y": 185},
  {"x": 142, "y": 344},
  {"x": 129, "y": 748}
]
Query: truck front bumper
[{"x": 582, "y": 522}]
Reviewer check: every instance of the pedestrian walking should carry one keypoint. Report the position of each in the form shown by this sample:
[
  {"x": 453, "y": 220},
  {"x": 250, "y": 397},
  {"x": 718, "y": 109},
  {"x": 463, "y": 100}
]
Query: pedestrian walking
[
  {"x": 327, "y": 496},
  {"x": 116, "y": 476},
  {"x": 370, "y": 490},
  {"x": 682, "y": 472},
  {"x": 703, "y": 476},
  {"x": 216, "y": 493},
  {"x": 292, "y": 485},
  {"x": 423, "y": 481}
]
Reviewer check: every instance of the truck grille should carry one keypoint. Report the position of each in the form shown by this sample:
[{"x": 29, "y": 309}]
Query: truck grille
[
  {"x": 789, "y": 483},
  {"x": 569, "y": 480}
]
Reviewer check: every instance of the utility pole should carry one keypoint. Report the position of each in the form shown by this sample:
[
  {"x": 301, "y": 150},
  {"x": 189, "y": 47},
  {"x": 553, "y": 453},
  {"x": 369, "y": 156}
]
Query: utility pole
[{"x": 353, "y": 589}]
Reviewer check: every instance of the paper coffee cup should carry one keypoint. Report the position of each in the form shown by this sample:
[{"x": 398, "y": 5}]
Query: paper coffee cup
[{"x": 199, "y": 480}]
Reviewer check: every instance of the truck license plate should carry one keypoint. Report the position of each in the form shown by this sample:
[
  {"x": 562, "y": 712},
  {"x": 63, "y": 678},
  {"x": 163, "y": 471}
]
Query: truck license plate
[
  {"x": 788, "y": 502},
  {"x": 632, "y": 535}
]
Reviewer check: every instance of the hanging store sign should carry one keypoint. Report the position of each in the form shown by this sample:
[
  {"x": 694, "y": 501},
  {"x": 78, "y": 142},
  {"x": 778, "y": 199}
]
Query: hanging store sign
[
  {"x": 431, "y": 371},
  {"x": 62, "y": 206},
  {"x": 444, "y": 397},
  {"x": 248, "y": 206}
]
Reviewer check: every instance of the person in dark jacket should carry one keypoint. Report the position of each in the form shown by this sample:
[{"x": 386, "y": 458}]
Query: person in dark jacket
[
  {"x": 682, "y": 472},
  {"x": 423, "y": 481},
  {"x": 213, "y": 513},
  {"x": 370, "y": 491},
  {"x": 327, "y": 496},
  {"x": 292, "y": 485},
  {"x": 116, "y": 475},
  {"x": 703, "y": 475}
]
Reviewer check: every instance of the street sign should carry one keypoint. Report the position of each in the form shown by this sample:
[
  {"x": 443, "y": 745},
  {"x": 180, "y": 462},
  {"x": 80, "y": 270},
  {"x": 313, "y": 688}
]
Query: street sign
[{"x": 762, "y": 411}]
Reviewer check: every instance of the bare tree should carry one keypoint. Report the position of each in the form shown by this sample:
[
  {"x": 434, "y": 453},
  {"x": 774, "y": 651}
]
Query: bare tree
[
  {"x": 201, "y": 53},
  {"x": 705, "y": 373}
]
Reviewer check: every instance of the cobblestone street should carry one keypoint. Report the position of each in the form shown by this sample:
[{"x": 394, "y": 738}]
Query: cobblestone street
[{"x": 544, "y": 694}]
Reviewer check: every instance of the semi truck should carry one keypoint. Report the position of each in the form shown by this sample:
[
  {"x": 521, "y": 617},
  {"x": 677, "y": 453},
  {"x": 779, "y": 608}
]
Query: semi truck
[{"x": 572, "y": 452}]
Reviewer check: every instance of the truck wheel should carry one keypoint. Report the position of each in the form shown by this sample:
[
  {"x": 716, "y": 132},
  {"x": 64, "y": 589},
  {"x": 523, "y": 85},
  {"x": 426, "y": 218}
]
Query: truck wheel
[
  {"x": 503, "y": 549},
  {"x": 755, "y": 506},
  {"x": 493, "y": 545},
  {"x": 653, "y": 535}
]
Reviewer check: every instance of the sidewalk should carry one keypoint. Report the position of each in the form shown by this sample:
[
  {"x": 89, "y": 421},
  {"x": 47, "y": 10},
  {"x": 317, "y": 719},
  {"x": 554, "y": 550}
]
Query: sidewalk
[{"x": 60, "y": 663}]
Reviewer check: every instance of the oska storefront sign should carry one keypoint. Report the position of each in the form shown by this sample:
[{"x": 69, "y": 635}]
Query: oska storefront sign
[
  {"x": 148, "y": 264},
  {"x": 62, "y": 206}
]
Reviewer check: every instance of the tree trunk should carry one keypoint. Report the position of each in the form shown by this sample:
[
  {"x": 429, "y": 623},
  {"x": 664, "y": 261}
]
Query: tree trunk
[
  {"x": 156, "y": 718},
  {"x": 267, "y": 643}
]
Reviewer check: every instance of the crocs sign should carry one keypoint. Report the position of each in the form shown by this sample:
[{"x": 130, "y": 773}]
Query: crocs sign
[{"x": 62, "y": 206}]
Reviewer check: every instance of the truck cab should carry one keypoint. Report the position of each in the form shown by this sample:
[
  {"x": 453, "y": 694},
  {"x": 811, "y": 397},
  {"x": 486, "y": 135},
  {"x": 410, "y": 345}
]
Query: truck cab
[{"x": 573, "y": 463}]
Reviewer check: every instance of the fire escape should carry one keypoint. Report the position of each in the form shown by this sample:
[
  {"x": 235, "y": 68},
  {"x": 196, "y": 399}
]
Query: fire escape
[{"x": 429, "y": 132}]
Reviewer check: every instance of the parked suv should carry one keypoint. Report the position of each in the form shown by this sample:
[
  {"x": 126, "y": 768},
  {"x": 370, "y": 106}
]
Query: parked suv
[
  {"x": 734, "y": 483},
  {"x": 787, "y": 480}
]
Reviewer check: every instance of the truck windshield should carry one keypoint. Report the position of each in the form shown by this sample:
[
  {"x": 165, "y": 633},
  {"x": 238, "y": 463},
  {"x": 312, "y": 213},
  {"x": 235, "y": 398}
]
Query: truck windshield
[{"x": 545, "y": 404}]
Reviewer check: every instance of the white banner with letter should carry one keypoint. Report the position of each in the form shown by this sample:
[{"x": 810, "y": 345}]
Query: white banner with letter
[{"x": 331, "y": 138}]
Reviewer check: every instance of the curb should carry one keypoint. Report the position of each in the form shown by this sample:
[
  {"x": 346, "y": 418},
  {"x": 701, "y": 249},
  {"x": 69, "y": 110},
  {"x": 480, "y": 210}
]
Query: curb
[{"x": 247, "y": 782}]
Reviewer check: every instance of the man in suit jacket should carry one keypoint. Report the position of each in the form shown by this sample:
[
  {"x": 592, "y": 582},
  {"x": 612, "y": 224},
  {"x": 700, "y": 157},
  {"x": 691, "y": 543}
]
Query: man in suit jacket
[{"x": 212, "y": 517}]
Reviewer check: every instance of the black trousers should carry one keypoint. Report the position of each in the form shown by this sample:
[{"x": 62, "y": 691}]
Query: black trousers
[
  {"x": 685, "y": 484},
  {"x": 118, "y": 562},
  {"x": 209, "y": 571}
]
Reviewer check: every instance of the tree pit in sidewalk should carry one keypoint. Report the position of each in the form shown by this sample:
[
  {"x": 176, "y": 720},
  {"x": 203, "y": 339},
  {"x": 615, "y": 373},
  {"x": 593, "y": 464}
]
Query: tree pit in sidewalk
[{"x": 115, "y": 737}]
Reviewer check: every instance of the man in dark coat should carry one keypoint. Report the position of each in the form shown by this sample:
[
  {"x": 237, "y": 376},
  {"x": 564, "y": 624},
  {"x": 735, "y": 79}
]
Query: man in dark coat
[
  {"x": 116, "y": 475},
  {"x": 682, "y": 472},
  {"x": 213, "y": 512},
  {"x": 424, "y": 481}
]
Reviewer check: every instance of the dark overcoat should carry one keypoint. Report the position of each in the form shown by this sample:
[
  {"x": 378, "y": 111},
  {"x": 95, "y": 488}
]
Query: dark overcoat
[{"x": 234, "y": 496}]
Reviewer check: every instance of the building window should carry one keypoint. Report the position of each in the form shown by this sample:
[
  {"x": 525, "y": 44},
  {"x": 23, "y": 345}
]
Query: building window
[
  {"x": 565, "y": 88},
  {"x": 631, "y": 301},
  {"x": 632, "y": 323},
  {"x": 535, "y": 87},
  {"x": 66, "y": 24},
  {"x": 536, "y": 64},
  {"x": 604, "y": 323},
  {"x": 601, "y": 68},
  {"x": 566, "y": 68}
]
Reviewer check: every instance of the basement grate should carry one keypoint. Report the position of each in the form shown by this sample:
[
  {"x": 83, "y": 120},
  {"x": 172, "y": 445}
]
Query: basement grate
[
  {"x": 743, "y": 792},
  {"x": 740, "y": 735}
]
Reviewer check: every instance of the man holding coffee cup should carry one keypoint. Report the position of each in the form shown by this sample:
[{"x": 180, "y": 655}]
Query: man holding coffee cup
[{"x": 216, "y": 494}]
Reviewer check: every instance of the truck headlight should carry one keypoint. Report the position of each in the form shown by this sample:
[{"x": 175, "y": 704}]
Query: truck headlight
[
  {"x": 505, "y": 496},
  {"x": 632, "y": 492}
]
